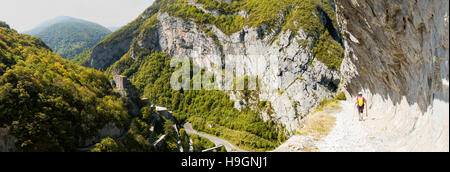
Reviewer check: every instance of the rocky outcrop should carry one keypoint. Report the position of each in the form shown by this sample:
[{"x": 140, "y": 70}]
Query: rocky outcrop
[
  {"x": 303, "y": 81},
  {"x": 7, "y": 141},
  {"x": 129, "y": 92},
  {"x": 280, "y": 56},
  {"x": 109, "y": 130},
  {"x": 397, "y": 53},
  {"x": 302, "y": 85},
  {"x": 114, "y": 50}
]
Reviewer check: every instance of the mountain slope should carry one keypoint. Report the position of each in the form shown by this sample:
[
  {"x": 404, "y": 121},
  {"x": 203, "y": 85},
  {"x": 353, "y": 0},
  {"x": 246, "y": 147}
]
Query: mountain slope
[
  {"x": 113, "y": 29},
  {"x": 48, "y": 103},
  {"x": 301, "y": 35},
  {"x": 396, "y": 53},
  {"x": 69, "y": 36},
  {"x": 48, "y": 23}
]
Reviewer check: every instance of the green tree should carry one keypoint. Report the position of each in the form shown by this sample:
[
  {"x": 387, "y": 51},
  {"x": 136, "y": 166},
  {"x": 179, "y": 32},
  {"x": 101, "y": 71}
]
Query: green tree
[
  {"x": 106, "y": 145},
  {"x": 3, "y": 24},
  {"x": 168, "y": 128},
  {"x": 184, "y": 139},
  {"x": 147, "y": 114}
]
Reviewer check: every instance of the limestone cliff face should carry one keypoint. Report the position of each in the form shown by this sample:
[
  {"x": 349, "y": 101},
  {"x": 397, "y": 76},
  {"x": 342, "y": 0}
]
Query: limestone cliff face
[
  {"x": 303, "y": 85},
  {"x": 304, "y": 81},
  {"x": 397, "y": 53}
]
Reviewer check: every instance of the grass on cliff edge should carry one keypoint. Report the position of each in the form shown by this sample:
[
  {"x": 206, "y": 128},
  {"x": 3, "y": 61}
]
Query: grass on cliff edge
[{"x": 320, "y": 123}]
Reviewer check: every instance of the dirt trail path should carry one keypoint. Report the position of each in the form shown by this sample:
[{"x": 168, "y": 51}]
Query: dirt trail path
[{"x": 350, "y": 134}]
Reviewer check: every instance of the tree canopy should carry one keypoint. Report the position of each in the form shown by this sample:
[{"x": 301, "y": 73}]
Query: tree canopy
[
  {"x": 69, "y": 37},
  {"x": 49, "y": 103}
]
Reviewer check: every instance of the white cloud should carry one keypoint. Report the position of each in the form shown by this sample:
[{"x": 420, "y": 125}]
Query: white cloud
[{"x": 23, "y": 15}]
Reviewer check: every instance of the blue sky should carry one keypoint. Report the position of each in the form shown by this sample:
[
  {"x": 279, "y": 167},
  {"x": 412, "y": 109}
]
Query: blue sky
[{"x": 24, "y": 15}]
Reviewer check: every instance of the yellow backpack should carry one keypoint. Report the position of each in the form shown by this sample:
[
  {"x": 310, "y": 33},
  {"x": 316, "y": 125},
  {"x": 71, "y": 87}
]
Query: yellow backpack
[{"x": 361, "y": 101}]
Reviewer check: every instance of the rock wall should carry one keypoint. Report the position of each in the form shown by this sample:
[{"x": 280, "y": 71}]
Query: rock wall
[
  {"x": 115, "y": 50},
  {"x": 304, "y": 82},
  {"x": 109, "y": 130},
  {"x": 129, "y": 92},
  {"x": 7, "y": 141},
  {"x": 397, "y": 53}
]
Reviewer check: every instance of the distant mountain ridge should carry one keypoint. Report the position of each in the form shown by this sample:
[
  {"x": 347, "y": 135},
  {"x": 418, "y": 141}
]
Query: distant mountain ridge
[
  {"x": 48, "y": 23},
  {"x": 70, "y": 36},
  {"x": 113, "y": 28}
]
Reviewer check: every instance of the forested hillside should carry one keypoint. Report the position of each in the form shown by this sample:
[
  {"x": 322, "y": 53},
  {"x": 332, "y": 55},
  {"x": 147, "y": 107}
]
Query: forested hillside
[
  {"x": 49, "y": 103},
  {"x": 69, "y": 37}
]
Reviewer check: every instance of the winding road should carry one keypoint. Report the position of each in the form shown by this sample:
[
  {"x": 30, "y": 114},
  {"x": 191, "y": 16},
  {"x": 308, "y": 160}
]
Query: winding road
[{"x": 218, "y": 141}]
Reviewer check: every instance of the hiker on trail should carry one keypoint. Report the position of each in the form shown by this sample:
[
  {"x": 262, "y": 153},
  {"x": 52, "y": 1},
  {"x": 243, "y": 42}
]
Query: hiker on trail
[{"x": 361, "y": 103}]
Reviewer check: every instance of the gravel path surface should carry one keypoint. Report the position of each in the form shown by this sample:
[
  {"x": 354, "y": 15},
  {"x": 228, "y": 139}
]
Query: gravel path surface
[
  {"x": 350, "y": 134},
  {"x": 218, "y": 141}
]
